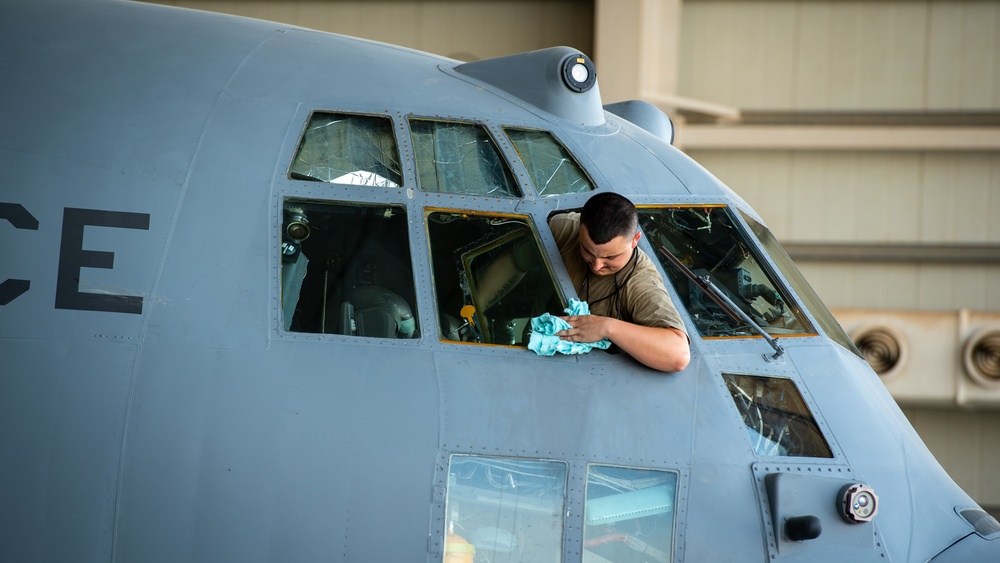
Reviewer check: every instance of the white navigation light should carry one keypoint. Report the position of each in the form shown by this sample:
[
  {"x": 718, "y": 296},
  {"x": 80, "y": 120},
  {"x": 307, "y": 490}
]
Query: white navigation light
[
  {"x": 858, "y": 503},
  {"x": 579, "y": 73}
]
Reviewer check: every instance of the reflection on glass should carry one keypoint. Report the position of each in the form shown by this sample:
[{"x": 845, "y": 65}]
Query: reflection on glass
[
  {"x": 504, "y": 510},
  {"x": 345, "y": 269},
  {"x": 802, "y": 288},
  {"x": 550, "y": 166},
  {"x": 459, "y": 158},
  {"x": 710, "y": 243},
  {"x": 776, "y": 417},
  {"x": 629, "y": 515},
  {"x": 348, "y": 149},
  {"x": 490, "y": 277}
]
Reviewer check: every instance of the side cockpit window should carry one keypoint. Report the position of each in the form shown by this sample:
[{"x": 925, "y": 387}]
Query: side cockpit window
[
  {"x": 459, "y": 158},
  {"x": 348, "y": 149},
  {"x": 550, "y": 166},
  {"x": 346, "y": 269},
  {"x": 707, "y": 241},
  {"x": 490, "y": 277}
]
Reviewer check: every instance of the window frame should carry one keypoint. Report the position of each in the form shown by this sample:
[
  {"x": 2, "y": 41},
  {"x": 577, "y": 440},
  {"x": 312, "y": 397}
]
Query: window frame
[
  {"x": 560, "y": 517},
  {"x": 676, "y": 501},
  {"x": 761, "y": 259},
  {"x": 540, "y": 245},
  {"x": 821, "y": 428},
  {"x": 528, "y": 170},
  {"x": 300, "y": 142},
  {"x": 286, "y": 203},
  {"x": 503, "y": 157}
]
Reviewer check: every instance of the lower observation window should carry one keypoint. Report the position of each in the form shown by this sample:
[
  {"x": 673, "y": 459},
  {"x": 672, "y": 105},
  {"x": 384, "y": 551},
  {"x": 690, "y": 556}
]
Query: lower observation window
[
  {"x": 629, "y": 516},
  {"x": 504, "y": 509},
  {"x": 777, "y": 419}
]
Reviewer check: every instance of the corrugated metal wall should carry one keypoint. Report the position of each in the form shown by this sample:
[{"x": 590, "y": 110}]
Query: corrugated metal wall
[
  {"x": 837, "y": 55},
  {"x": 878, "y": 197}
]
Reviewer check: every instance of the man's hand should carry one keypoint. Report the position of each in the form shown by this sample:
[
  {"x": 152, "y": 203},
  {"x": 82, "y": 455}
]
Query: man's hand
[
  {"x": 585, "y": 328},
  {"x": 664, "y": 349}
]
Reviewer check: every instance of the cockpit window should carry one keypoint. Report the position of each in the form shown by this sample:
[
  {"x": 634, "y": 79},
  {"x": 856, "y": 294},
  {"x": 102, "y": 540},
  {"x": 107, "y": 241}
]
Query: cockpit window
[
  {"x": 348, "y": 149},
  {"x": 345, "y": 269},
  {"x": 490, "y": 277},
  {"x": 777, "y": 419},
  {"x": 708, "y": 242},
  {"x": 504, "y": 509},
  {"x": 459, "y": 158},
  {"x": 551, "y": 167},
  {"x": 629, "y": 515},
  {"x": 802, "y": 288}
]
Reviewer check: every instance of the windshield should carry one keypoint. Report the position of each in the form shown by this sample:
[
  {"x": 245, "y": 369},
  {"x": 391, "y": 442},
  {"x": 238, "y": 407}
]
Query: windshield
[
  {"x": 711, "y": 244},
  {"x": 813, "y": 303}
]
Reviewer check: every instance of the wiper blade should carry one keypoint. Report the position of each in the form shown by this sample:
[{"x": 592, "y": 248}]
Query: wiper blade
[{"x": 722, "y": 300}]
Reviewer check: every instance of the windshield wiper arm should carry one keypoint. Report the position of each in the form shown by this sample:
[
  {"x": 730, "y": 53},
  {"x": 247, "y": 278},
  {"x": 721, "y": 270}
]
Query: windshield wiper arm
[{"x": 722, "y": 300}]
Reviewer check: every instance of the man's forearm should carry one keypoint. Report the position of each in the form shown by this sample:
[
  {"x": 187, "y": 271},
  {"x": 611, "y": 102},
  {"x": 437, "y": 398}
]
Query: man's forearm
[{"x": 664, "y": 349}]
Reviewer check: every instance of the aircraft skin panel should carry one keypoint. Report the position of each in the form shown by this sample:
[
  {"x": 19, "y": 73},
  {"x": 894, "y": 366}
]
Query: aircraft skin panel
[
  {"x": 260, "y": 457},
  {"x": 130, "y": 109},
  {"x": 67, "y": 399},
  {"x": 732, "y": 522},
  {"x": 513, "y": 407},
  {"x": 318, "y": 68},
  {"x": 155, "y": 405},
  {"x": 885, "y": 423},
  {"x": 223, "y": 226},
  {"x": 99, "y": 255},
  {"x": 642, "y": 173}
]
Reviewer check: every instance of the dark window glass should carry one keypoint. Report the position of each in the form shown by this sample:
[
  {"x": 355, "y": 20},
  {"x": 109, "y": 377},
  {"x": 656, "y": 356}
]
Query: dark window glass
[
  {"x": 348, "y": 149},
  {"x": 345, "y": 269},
  {"x": 710, "y": 243},
  {"x": 490, "y": 277},
  {"x": 459, "y": 158},
  {"x": 777, "y": 419},
  {"x": 551, "y": 167}
]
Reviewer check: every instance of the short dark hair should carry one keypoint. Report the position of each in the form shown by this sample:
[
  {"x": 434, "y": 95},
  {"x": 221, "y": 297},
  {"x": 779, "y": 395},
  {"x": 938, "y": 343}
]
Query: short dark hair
[{"x": 608, "y": 215}]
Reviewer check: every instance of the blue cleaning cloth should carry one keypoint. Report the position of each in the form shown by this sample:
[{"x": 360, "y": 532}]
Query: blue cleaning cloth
[{"x": 544, "y": 342}]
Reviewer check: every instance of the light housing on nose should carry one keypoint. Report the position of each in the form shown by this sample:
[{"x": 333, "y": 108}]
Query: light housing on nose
[
  {"x": 858, "y": 503},
  {"x": 579, "y": 73}
]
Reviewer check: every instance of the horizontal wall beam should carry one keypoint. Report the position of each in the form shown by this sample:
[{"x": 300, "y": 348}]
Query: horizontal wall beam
[
  {"x": 911, "y": 253},
  {"x": 837, "y": 137}
]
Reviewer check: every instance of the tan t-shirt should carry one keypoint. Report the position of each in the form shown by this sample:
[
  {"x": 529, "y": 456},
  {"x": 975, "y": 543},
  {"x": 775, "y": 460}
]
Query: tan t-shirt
[{"x": 640, "y": 292}]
